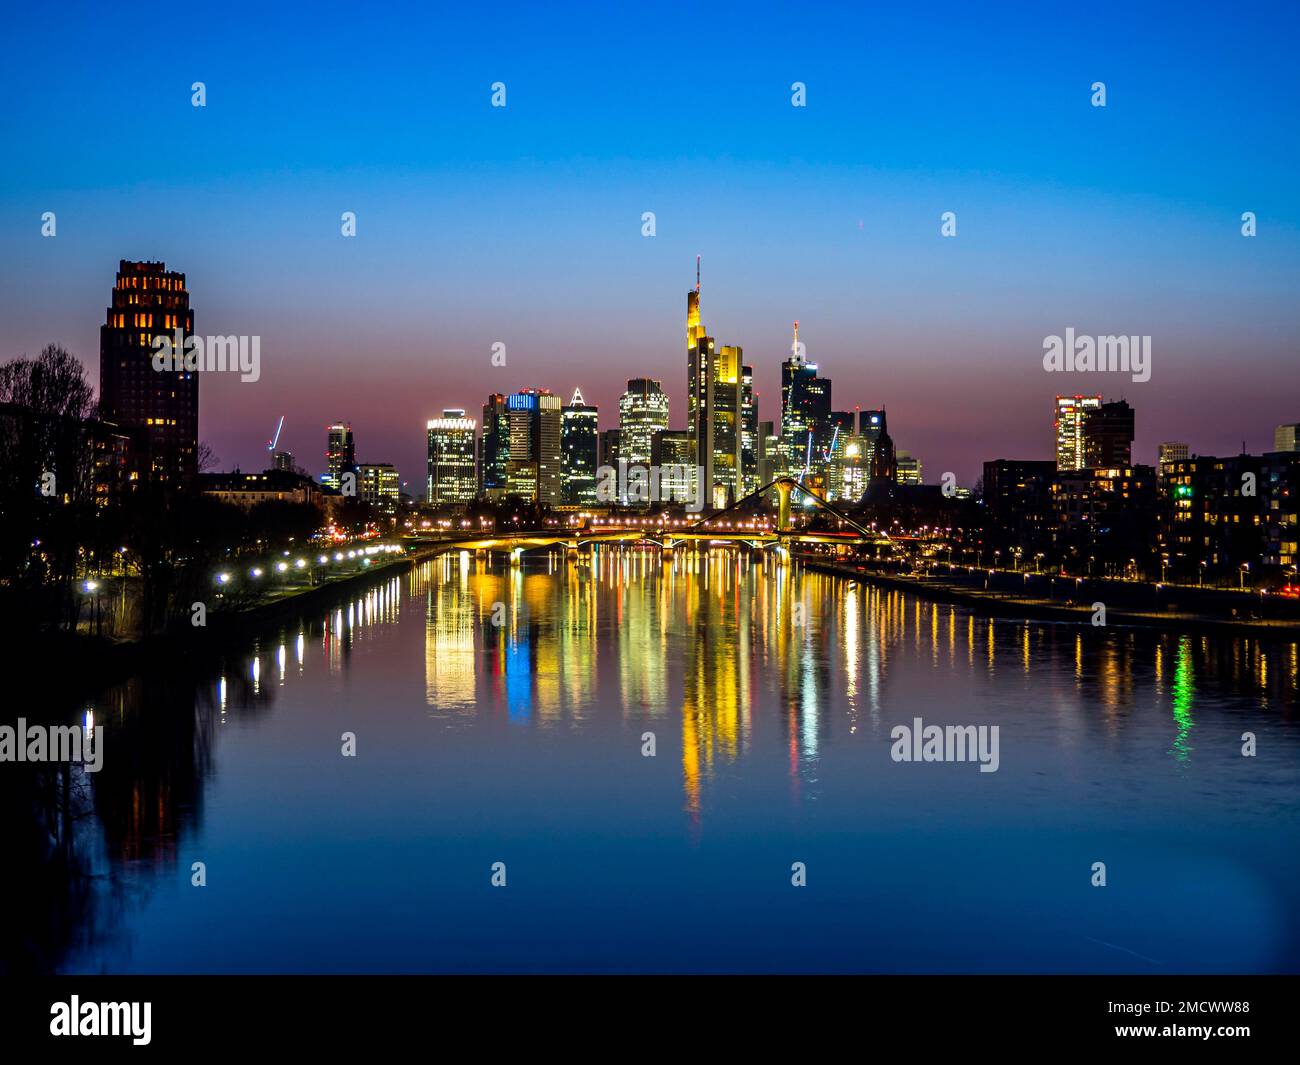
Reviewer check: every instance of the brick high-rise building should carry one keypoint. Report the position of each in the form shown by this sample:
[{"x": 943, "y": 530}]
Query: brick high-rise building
[{"x": 158, "y": 409}]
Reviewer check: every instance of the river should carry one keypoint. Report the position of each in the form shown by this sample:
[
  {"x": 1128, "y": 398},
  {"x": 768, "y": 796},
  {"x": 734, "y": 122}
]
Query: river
[{"x": 503, "y": 720}]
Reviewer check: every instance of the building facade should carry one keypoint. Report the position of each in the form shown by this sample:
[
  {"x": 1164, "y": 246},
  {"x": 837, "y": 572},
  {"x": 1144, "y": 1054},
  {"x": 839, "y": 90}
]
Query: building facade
[
  {"x": 580, "y": 444},
  {"x": 1071, "y": 443},
  {"x": 340, "y": 454},
  {"x": 642, "y": 412},
  {"x": 534, "y": 467},
  {"x": 158, "y": 409},
  {"x": 379, "y": 485},
  {"x": 452, "y": 459}
]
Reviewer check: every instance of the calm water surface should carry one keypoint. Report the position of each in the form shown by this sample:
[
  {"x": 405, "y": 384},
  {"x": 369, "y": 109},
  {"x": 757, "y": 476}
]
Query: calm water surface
[{"x": 499, "y": 716}]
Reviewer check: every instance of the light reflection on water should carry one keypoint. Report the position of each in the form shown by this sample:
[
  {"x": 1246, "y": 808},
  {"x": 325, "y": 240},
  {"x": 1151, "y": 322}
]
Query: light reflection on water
[{"x": 501, "y": 707}]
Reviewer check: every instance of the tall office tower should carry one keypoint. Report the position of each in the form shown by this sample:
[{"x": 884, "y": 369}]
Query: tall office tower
[
  {"x": 494, "y": 448},
  {"x": 453, "y": 467},
  {"x": 1108, "y": 436},
  {"x": 768, "y": 451},
  {"x": 1071, "y": 415},
  {"x": 580, "y": 442},
  {"x": 158, "y": 409},
  {"x": 829, "y": 462},
  {"x": 283, "y": 460},
  {"x": 673, "y": 452},
  {"x": 714, "y": 396},
  {"x": 609, "y": 448},
  {"x": 642, "y": 412},
  {"x": 851, "y": 472},
  {"x": 379, "y": 485},
  {"x": 908, "y": 469},
  {"x": 805, "y": 410},
  {"x": 550, "y": 456},
  {"x": 751, "y": 443},
  {"x": 533, "y": 471},
  {"x": 340, "y": 454},
  {"x": 1170, "y": 451},
  {"x": 1286, "y": 438}
]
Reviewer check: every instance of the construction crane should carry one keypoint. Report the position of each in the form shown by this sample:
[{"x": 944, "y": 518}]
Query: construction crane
[{"x": 270, "y": 445}]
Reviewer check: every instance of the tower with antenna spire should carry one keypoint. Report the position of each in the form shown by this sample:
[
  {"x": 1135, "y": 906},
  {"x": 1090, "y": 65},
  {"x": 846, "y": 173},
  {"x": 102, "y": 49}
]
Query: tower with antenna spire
[
  {"x": 805, "y": 410},
  {"x": 715, "y": 414}
]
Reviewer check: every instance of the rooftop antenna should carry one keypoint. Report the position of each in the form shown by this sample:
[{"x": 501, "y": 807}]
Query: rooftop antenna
[
  {"x": 697, "y": 275},
  {"x": 794, "y": 348}
]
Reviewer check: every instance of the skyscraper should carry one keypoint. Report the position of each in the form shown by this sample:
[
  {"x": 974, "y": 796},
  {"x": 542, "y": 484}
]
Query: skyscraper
[
  {"x": 158, "y": 409},
  {"x": 769, "y": 452},
  {"x": 608, "y": 448},
  {"x": 580, "y": 443},
  {"x": 495, "y": 447},
  {"x": 805, "y": 410},
  {"x": 672, "y": 451},
  {"x": 642, "y": 412},
  {"x": 452, "y": 474},
  {"x": 340, "y": 454},
  {"x": 1286, "y": 438},
  {"x": 751, "y": 443},
  {"x": 1108, "y": 436},
  {"x": 533, "y": 471},
  {"x": 1071, "y": 415},
  {"x": 714, "y": 398}
]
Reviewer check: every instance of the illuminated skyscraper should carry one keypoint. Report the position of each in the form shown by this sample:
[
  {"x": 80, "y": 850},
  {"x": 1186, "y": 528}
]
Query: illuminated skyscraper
[
  {"x": 495, "y": 447},
  {"x": 642, "y": 412},
  {"x": 1286, "y": 438},
  {"x": 1071, "y": 416},
  {"x": 673, "y": 452},
  {"x": 1108, "y": 436},
  {"x": 751, "y": 443},
  {"x": 533, "y": 471},
  {"x": 340, "y": 454},
  {"x": 157, "y": 409},
  {"x": 805, "y": 411},
  {"x": 580, "y": 443},
  {"x": 452, "y": 476},
  {"x": 714, "y": 407}
]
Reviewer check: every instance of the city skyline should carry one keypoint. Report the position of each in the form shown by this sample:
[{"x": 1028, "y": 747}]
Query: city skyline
[
  {"x": 798, "y": 373},
  {"x": 523, "y": 225}
]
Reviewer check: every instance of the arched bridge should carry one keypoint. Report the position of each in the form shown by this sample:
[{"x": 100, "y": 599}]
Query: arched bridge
[{"x": 715, "y": 528}]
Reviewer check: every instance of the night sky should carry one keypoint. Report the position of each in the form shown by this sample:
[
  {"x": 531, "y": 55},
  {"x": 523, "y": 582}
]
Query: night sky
[{"x": 522, "y": 225}]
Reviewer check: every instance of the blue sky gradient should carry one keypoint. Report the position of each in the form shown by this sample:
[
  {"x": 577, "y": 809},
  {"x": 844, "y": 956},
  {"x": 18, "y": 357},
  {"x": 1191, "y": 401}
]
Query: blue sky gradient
[{"x": 523, "y": 224}]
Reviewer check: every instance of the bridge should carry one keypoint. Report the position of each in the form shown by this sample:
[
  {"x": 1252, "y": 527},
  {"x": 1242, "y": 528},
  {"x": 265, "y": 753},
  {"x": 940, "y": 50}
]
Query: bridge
[{"x": 669, "y": 534}]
